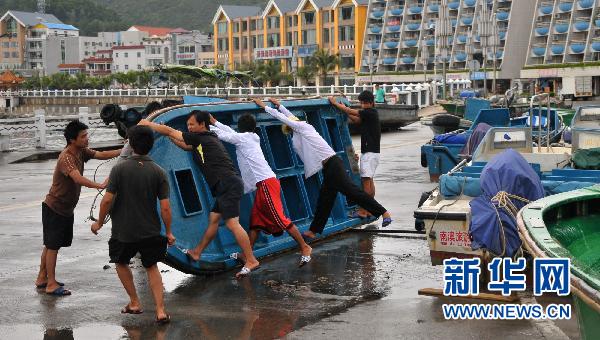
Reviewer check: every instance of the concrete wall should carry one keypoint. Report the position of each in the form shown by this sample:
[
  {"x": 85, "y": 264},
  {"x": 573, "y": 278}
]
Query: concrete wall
[
  {"x": 53, "y": 52},
  {"x": 517, "y": 39}
]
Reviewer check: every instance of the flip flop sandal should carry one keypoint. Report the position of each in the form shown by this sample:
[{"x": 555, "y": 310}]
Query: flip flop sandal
[
  {"x": 304, "y": 260},
  {"x": 386, "y": 222},
  {"x": 60, "y": 291},
  {"x": 245, "y": 272},
  {"x": 237, "y": 257},
  {"x": 44, "y": 285},
  {"x": 164, "y": 320},
  {"x": 308, "y": 239},
  {"x": 128, "y": 310}
]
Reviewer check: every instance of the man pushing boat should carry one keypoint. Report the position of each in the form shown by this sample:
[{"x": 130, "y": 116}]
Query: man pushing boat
[
  {"x": 316, "y": 154},
  {"x": 225, "y": 184},
  {"x": 267, "y": 212}
]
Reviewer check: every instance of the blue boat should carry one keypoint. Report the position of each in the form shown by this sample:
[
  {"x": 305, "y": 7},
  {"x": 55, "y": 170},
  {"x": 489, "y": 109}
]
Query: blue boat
[
  {"x": 191, "y": 199},
  {"x": 442, "y": 153}
]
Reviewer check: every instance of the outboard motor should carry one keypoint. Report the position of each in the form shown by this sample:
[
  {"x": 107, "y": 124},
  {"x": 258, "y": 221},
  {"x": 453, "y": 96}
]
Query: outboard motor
[{"x": 112, "y": 113}]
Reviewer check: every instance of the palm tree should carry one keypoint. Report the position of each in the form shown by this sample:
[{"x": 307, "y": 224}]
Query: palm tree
[
  {"x": 306, "y": 73},
  {"x": 269, "y": 72},
  {"x": 324, "y": 62},
  {"x": 144, "y": 79}
]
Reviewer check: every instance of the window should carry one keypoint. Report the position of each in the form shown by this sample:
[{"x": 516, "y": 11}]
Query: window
[
  {"x": 326, "y": 35},
  {"x": 272, "y": 22},
  {"x": 126, "y": 55},
  {"x": 254, "y": 41},
  {"x": 5, "y": 44},
  {"x": 288, "y": 38},
  {"x": 273, "y": 40},
  {"x": 116, "y": 67},
  {"x": 15, "y": 54},
  {"x": 14, "y": 44},
  {"x": 117, "y": 55},
  {"x": 253, "y": 25},
  {"x": 290, "y": 21},
  {"x": 188, "y": 192},
  {"x": 259, "y": 24},
  {"x": 139, "y": 67},
  {"x": 260, "y": 40},
  {"x": 222, "y": 44},
  {"x": 127, "y": 67},
  {"x": 244, "y": 26},
  {"x": 236, "y": 27},
  {"x": 11, "y": 26},
  {"x": 346, "y": 33},
  {"x": 63, "y": 53},
  {"x": 236, "y": 44},
  {"x": 325, "y": 16},
  {"x": 309, "y": 36},
  {"x": 222, "y": 27},
  {"x": 347, "y": 62},
  {"x": 295, "y": 38},
  {"x": 6, "y": 54},
  {"x": 346, "y": 13},
  {"x": 139, "y": 54},
  {"x": 308, "y": 18},
  {"x": 245, "y": 43}
]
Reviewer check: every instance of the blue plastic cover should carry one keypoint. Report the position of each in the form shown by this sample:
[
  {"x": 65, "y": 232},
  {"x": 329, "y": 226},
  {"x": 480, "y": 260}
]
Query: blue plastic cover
[
  {"x": 452, "y": 186},
  {"x": 473, "y": 106},
  {"x": 494, "y": 228},
  {"x": 451, "y": 138},
  {"x": 475, "y": 139},
  {"x": 201, "y": 100},
  {"x": 557, "y": 187}
]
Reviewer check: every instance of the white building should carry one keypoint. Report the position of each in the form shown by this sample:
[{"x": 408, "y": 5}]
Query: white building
[{"x": 129, "y": 58}]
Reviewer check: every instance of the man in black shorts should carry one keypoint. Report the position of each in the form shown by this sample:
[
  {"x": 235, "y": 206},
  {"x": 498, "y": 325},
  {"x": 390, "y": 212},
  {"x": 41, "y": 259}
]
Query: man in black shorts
[
  {"x": 225, "y": 184},
  {"x": 135, "y": 184},
  {"x": 59, "y": 205}
]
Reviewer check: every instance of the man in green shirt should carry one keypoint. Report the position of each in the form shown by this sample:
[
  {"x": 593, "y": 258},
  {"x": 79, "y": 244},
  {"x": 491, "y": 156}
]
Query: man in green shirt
[{"x": 379, "y": 94}]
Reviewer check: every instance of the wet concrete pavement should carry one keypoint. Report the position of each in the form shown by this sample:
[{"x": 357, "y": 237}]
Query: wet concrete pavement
[{"x": 360, "y": 285}]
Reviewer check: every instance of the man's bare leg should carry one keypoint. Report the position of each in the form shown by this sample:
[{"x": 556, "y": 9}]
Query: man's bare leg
[
  {"x": 241, "y": 237},
  {"x": 305, "y": 249},
  {"x": 369, "y": 187},
  {"x": 209, "y": 235},
  {"x": 42, "y": 277},
  {"x": 51, "y": 256},
  {"x": 156, "y": 286},
  {"x": 126, "y": 277},
  {"x": 253, "y": 237}
]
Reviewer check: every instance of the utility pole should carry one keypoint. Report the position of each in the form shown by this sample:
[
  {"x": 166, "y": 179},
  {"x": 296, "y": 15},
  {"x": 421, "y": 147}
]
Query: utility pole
[{"x": 443, "y": 32}]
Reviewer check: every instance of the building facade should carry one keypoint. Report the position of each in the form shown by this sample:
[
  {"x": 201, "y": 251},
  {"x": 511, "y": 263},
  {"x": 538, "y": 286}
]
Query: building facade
[
  {"x": 128, "y": 58},
  {"x": 289, "y": 32}
]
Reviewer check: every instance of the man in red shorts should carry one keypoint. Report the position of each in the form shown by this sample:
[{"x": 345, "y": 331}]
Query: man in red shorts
[{"x": 267, "y": 213}]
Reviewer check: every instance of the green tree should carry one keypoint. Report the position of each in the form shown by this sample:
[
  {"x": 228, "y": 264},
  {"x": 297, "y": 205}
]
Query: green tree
[
  {"x": 324, "y": 62},
  {"x": 144, "y": 79},
  {"x": 269, "y": 73},
  {"x": 306, "y": 73}
]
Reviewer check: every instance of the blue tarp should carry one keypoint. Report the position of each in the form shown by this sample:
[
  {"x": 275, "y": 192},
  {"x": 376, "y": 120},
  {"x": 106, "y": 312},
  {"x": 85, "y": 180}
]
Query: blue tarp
[
  {"x": 493, "y": 117},
  {"x": 475, "y": 139},
  {"x": 473, "y": 106},
  {"x": 452, "y": 186},
  {"x": 451, "y": 138},
  {"x": 201, "y": 100},
  {"x": 492, "y": 227}
]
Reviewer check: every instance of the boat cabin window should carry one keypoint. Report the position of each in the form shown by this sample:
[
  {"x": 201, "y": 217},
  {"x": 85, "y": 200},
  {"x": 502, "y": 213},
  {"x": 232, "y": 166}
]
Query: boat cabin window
[{"x": 187, "y": 191}]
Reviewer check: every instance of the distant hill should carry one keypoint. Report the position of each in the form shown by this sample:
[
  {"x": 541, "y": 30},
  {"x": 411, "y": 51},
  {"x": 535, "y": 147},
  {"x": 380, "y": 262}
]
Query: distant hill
[
  {"x": 87, "y": 15},
  {"x": 189, "y": 14}
]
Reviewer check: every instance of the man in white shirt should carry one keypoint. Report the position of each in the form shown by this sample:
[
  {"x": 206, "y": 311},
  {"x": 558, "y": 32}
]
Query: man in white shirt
[
  {"x": 267, "y": 212},
  {"x": 316, "y": 154}
]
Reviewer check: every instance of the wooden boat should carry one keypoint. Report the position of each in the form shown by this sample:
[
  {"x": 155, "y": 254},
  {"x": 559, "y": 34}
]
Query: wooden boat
[
  {"x": 568, "y": 225},
  {"x": 392, "y": 116}
]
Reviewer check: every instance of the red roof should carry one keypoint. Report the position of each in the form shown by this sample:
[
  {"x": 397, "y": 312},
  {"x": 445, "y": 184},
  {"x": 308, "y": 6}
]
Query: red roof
[
  {"x": 71, "y": 66},
  {"x": 153, "y": 31},
  {"x": 130, "y": 47},
  {"x": 97, "y": 60},
  {"x": 179, "y": 30}
]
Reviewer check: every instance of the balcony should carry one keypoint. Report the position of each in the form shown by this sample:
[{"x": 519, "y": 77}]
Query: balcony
[
  {"x": 502, "y": 16},
  {"x": 557, "y": 49},
  {"x": 577, "y": 48},
  {"x": 582, "y": 25},
  {"x": 467, "y": 21},
  {"x": 453, "y": 22},
  {"x": 377, "y": 14},
  {"x": 393, "y": 28},
  {"x": 462, "y": 39},
  {"x": 429, "y": 42},
  {"x": 470, "y": 3},
  {"x": 410, "y": 43},
  {"x": 373, "y": 45},
  {"x": 391, "y": 44},
  {"x": 375, "y": 29},
  {"x": 597, "y": 22},
  {"x": 561, "y": 28},
  {"x": 585, "y": 4},
  {"x": 546, "y": 10},
  {"x": 454, "y": 5},
  {"x": 408, "y": 60},
  {"x": 415, "y": 10},
  {"x": 596, "y": 46},
  {"x": 389, "y": 61},
  {"x": 542, "y": 31},
  {"x": 396, "y": 11},
  {"x": 565, "y": 6},
  {"x": 413, "y": 26},
  {"x": 434, "y": 8},
  {"x": 538, "y": 51},
  {"x": 460, "y": 57}
]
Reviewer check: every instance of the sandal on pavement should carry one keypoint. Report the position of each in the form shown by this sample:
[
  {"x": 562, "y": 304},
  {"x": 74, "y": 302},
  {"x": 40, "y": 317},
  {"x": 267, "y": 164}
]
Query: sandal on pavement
[
  {"x": 128, "y": 310},
  {"x": 60, "y": 291},
  {"x": 245, "y": 272},
  {"x": 386, "y": 222},
  {"x": 163, "y": 321},
  {"x": 44, "y": 285},
  {"x": 304, "y": 260}
]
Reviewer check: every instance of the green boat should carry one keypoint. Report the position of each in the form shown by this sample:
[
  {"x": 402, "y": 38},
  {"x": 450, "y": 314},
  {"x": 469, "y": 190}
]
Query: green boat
[
  {"x": 566, "y": 115},
  {"x": 456, "y": 108},
  {"x": 568, "y": 225}
]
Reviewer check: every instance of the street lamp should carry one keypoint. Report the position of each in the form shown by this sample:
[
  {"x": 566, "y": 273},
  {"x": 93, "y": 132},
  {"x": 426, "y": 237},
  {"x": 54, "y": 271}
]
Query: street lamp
[
  {"x": 488, "y": 31},
  {"x": 443, "y": 33},
  {"x": 371, "y": 60},
  {"x": 424, "y": 58}
]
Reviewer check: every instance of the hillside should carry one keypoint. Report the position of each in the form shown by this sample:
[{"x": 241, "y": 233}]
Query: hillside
[
  {"x": 189, "y": 14},
  {"x": 88, "y": 16}
]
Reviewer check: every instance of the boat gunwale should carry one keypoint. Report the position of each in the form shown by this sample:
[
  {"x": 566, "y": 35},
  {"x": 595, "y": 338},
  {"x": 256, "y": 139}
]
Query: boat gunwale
[{"x": 583, "y": 285}]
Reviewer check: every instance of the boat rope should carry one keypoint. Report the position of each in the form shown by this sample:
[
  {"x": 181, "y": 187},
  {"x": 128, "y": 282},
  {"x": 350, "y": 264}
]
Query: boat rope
[
  {"x": 503, "y": 200},
  {"x": 98, "y": 195}
]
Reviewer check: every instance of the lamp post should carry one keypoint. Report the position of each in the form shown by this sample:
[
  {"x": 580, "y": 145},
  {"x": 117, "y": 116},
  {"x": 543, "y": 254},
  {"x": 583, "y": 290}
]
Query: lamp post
[
  {"x": 488, "y": 32},
  {"x": 470, "y": 49},
  {"x": 494, "y": 42},
  {"x": 424, "y": 58},
  {"x": 442, "y": 33},
  {"x": 371, "y": 61}
]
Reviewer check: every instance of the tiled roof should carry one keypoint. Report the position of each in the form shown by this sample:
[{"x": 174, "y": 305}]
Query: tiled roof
[
  {"x": 33, "y": 18},
  {"x": 152, "y": 31}
]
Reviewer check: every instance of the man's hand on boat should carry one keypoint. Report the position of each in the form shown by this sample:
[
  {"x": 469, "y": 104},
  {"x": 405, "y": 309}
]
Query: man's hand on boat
[
  {"x": 171, "y": 239},
  {"x": 275, "y": 102},
  {"x": 259, "y": 102}
]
